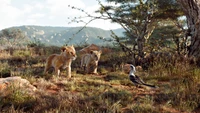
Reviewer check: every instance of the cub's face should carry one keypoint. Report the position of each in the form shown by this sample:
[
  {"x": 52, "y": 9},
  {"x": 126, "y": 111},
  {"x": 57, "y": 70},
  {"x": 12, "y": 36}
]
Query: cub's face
[
  {"x": 95, "y": 55},
  {"x": 69, "y": 52}
]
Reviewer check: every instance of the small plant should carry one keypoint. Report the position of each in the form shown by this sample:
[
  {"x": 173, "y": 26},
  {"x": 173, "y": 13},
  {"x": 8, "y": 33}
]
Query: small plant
[
  {"x": 5, "y": 69},
  {"x": 18, "y": 100},
  {"x": 21, "y": 53}
]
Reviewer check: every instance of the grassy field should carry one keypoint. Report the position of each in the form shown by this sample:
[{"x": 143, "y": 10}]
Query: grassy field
[{"x": 109, "y": 92}]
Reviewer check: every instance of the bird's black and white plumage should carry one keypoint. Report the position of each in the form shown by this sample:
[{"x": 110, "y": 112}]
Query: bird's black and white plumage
[{"x": 136, "y": 80}]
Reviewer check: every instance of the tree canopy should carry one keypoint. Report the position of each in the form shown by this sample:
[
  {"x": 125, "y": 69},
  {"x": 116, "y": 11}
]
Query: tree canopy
[
  {"x": 12, "y": 37},
  {"x": 139, "y": 18}
]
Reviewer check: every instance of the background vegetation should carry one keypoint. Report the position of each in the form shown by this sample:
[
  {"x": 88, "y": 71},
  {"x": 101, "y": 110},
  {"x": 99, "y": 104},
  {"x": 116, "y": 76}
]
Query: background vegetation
[
  {"x": 110, "y": 91},
  {"x": 156, "y": 37}
]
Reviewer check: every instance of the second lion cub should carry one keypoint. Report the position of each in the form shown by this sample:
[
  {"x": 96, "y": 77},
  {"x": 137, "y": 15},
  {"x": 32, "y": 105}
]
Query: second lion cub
[{"x": 89, "y": 62}]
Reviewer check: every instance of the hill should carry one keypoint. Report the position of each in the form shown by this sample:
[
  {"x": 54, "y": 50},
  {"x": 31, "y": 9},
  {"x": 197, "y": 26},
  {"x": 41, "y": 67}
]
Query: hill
[{"x": 59, "y": 36}]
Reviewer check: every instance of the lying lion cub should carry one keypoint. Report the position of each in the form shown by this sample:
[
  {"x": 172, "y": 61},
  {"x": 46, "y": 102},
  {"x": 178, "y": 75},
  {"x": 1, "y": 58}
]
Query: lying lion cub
[
  {"x": 63, "y": 60},
  {"x": 89, "y": 62}
]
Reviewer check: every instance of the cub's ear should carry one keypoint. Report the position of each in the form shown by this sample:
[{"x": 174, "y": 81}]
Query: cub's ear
[
  {"x": 100, "y": 51},
  {"x": 91, "y": 52},
  {"x": 63, "y": 49}
]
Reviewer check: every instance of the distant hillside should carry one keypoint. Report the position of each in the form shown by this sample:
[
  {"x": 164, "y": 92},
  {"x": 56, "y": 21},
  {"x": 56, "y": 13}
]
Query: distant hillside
[{"x": 59, "y": 36}]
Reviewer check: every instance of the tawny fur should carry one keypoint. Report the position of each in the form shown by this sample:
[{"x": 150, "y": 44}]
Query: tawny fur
[
  {"x": 89, "y": 48},
  {"x": 62, "y": 60},
  {"x": 89, "y": 62},
  {"x": 94, "y": 47}
]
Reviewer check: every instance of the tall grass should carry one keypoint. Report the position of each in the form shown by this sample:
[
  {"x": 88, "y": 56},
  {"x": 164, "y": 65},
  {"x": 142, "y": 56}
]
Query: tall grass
[
  {"x": 182, "y": 84},
  {"x": 110, "y": 92}
]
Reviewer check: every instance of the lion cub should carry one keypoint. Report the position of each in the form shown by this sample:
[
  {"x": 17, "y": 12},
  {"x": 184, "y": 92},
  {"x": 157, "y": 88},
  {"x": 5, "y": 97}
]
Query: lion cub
[
  {"x": 89, "y": 62},
  {"x": 62, "y": 60}
]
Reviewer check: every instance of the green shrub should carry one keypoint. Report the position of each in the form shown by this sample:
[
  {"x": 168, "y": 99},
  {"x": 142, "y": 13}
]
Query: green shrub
[
  {"x": 5, "y": 69},
  {"x": 21, "y": 53}
]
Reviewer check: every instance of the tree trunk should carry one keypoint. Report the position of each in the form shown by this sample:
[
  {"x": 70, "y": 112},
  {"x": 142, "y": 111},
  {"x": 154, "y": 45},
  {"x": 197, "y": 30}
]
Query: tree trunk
[
  {"x": 140, "y": 43},
  {"x": 191, "y": 9}
]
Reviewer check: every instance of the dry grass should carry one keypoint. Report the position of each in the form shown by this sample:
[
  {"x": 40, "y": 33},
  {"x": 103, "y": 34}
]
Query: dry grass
[{"x": 108, "y": 92}]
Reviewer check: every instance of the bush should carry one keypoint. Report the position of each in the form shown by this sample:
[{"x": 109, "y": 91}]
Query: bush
[
  {"x": 5, "y": 69},
  {"x": 21, "y": 53}
]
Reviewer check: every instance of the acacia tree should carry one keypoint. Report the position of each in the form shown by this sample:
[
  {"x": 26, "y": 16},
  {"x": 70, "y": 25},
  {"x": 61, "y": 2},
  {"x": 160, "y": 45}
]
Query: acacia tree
[
  {"x": 138, "y": 17},
  {"x": 191, "y": 9},
  {"x": 12, "y": 37},
  {"x": 135, "y": 16}
]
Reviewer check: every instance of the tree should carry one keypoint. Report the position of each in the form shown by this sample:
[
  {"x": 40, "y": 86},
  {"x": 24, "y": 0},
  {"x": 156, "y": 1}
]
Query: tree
[
  {"x": 191, "y": 9},
  {"x": 139, "y": 19},
  {"x": 136, "y": 17},
  {"x": 169, "y": 36},
  {"x": 12, "y": 37}
]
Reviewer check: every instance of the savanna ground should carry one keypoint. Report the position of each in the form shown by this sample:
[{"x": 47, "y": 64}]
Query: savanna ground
[{"x": 109, "y": 92}]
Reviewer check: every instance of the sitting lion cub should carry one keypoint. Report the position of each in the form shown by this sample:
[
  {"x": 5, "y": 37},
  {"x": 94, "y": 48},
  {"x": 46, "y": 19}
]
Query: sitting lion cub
[
  {"x": 63, "y": 60},
  {"x": 89, "y": 62}
]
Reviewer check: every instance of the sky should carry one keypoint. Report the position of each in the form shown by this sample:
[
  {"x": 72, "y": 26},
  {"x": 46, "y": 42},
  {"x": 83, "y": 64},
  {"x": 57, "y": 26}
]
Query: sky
[{"x": 48, "y": 13}]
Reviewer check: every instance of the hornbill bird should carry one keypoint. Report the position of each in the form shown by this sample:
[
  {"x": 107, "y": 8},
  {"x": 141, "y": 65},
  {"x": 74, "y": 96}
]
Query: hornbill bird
[{"x": 136, "y": 80}]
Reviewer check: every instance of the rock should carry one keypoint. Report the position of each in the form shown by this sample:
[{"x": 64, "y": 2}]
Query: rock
[
  {"x": 126, "y": 68},
  {"x": 10, "y": 84}
]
